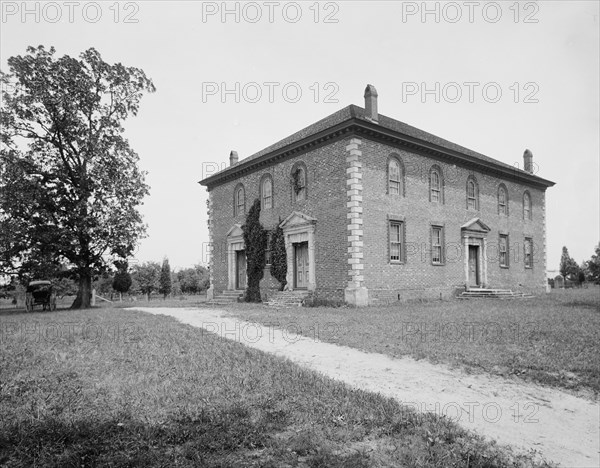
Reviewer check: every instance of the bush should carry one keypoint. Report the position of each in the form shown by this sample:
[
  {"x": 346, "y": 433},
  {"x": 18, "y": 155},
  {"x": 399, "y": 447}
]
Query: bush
[
  {"x": 255, "y": 239},
  {"x": 313, "y": 301},
  {"x": 279, "y": 257}
]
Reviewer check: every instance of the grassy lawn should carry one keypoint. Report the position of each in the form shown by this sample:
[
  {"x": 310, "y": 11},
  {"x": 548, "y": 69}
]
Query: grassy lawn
[
  {"x": 110, "y": 387},
  {"x": 553, "y": 339},
  {"x": 63, "y": 303}
]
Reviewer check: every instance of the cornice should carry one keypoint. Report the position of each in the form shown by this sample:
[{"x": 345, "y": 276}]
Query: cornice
[{"x": 373, "y": 131}]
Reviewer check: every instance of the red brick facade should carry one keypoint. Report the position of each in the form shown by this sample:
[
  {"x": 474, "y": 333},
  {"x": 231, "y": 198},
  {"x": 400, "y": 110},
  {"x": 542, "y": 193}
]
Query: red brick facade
[{"x": 344, "y": 219}]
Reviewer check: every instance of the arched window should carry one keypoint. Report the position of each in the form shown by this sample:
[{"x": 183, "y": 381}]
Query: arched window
[
  {"x": 526, "y": 205},
  {"x": 472, "y": 194},
  {"x": 436, "y": 185},
  {"x": 299, "y": 182},
  {"x": 266, "y": 192},
  {"x": 395, "y": 176},
  {"x": 502, "y": 200},
  {"x": 239, "y": 200}
]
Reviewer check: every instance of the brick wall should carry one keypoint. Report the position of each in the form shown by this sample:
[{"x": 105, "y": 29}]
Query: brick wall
[
  {"x": 331, "y": 189},
  {"x": 418, "y": 277},
  {"x": 326, "y": 201}
]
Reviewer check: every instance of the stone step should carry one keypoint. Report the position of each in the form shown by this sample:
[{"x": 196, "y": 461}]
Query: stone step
[
  {"x": 233, "y": 293},
  {"x": 287, "y": 298},
  {"x": 493, "y": 294},
  {"x": 229, "y": 296}
]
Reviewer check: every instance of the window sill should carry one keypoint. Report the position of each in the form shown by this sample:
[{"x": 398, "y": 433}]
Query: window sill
[
  {"x": 437, "y": 264},
  {"x": 505, "y": 267},
  {"x": 396, "y": 262}
]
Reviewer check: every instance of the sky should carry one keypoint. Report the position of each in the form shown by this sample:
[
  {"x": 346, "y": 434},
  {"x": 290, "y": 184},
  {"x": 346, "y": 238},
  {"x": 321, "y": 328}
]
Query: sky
[{"x": 496, "y": 77}]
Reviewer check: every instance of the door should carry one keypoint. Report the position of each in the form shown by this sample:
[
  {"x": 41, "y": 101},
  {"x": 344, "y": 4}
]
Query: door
[
  {"x": 240, "y": 269},
  {"x": 301, "y": 266},
  {"x": 474, "y": 265}
]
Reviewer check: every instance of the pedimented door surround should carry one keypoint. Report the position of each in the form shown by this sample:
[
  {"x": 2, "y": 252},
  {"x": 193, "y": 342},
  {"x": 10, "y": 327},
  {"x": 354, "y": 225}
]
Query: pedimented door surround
[
  {"x": 474, "y": 233},
  {"x": 298, "y": 228},
  {"x": 235, "y": 243}
]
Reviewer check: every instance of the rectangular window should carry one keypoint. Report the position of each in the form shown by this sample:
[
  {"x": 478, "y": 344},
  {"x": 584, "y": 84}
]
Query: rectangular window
[
  {"x": 268, "y": 249},
  {"x": 396, "y": 242},
  {"x": 503, "y": 250},
  {"x": 437, "y": 243},
  {"x": 528, "y": 252}
]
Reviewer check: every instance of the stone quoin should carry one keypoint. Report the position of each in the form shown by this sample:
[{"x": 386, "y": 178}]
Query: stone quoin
[{"x": 374, "y": 211}]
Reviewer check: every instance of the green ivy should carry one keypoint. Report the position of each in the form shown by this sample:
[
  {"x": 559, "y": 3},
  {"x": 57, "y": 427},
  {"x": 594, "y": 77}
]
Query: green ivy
[
  {"x": 255, "y": 239},
  {"x": 279, "y": 257},
  {"x": 296, "y": 181}
]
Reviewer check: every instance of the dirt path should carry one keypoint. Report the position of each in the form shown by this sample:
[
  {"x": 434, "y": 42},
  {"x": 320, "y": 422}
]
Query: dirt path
[{"x": 561, "y": 427}]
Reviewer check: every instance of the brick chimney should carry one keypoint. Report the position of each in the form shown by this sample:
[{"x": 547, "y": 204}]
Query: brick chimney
[
  {"x": 528, "y": 161},
  {"x": 371, "y": 103},
  {"x": 233, "y": 158}
]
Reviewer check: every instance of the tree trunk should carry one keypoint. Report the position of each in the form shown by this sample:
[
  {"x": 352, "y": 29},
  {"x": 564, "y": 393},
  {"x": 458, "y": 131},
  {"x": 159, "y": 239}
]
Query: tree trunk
[
  {"x": 84, "y": 295},
  {"x": 120, "y": 296}
]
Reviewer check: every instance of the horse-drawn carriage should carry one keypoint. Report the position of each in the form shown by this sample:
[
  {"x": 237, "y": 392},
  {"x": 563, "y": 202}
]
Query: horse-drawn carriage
[{"x": 40, "y": 292}]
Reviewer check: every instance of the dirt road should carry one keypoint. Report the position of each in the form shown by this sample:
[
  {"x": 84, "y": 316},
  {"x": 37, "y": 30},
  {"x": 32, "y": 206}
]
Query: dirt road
[{"x": 561, "y": 427}]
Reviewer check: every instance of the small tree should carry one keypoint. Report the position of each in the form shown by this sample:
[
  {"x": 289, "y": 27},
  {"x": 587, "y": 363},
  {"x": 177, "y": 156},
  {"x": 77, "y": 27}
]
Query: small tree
[
  {"x": 592, "y": 267},
  {"x": 203, "y": 277},
  {"x": 165, "y": 279},
  {"x": 122, "y": 280},
  {"x": 255, "y": 238},
  {"x": 279, "y": 257},
  {"x": 568, "y": 266},
  {"x": 175, "y": 286},
  {"x": 147, "y": 276}
]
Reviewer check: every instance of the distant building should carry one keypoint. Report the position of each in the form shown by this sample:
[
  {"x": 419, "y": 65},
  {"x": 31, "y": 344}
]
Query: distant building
[{"x": 374, "y": 210}]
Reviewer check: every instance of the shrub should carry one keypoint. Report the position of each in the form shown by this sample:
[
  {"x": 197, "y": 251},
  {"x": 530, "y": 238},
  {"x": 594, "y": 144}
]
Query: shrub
[
  {"x": 313, "y": 301},
  {"x": 279, "y": 257},
  {"x": 255, "y": 239}
]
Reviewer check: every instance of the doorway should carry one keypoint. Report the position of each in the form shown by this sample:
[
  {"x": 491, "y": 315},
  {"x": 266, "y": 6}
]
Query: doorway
[
  {"x": 240, "y": 269},
  {"x": 301, "y": 265},
  {"x": 474, "y": 266}
]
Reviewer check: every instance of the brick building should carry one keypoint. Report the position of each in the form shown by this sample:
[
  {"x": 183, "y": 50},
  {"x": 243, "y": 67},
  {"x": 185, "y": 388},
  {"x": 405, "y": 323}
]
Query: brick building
[{"x": 374, "y": 210}]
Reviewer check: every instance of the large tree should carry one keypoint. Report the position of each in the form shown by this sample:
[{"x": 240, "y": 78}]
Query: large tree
[{"x": 70, "y": 186}]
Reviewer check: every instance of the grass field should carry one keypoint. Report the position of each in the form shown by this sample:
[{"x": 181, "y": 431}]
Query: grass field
[
  {"x": 111, "y": 387},
  {"x": 553, "y": 340}
]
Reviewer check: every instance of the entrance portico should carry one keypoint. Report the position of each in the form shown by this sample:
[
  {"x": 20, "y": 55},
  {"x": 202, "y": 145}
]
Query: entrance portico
[
  {"x": 474, "y": 238},
  {"x": 299, "y": 235},
  {"x": 236, "y": 259}
]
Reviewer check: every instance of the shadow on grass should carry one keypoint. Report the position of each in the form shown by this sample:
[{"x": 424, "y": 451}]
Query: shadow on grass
[{"x": 230, "y": 437}]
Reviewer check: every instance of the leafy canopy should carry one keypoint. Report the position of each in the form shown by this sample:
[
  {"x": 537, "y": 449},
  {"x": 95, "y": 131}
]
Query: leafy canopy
[{"x": 70, "y": 187}]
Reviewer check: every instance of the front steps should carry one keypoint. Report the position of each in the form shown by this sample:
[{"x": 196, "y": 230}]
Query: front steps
[
  {"x": 287, "y": 298},
  {"x": 229, "y": 296},
  {"x": 493, "y": 294}
]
